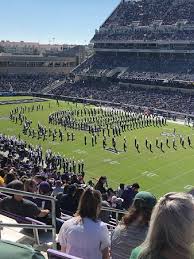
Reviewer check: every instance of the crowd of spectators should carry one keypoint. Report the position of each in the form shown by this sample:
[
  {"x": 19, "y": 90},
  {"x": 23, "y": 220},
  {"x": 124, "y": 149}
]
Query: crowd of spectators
[
  {"x": 147, "y": 229},
  {"x": 131, "y": 66},
  {"x": 170, "y": 34},
  {"x": 22, "y": 169},
  {"x": 147, "y": 11},
  {"x": 156, "y": 98},
  {"x": 26, "y": 83},
  {"x": 149, "y": 21}
]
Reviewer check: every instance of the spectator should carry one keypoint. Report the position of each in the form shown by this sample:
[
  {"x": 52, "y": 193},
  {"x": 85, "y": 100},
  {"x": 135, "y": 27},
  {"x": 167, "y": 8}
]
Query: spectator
[
  {"x": 116, "y": 203},
  {"x": 170, "y": 234},
  {"x": 9, "y": 177},
  {"x": 44, "y": 189},
  {"x": 84, "y": 235},
  {"x": 91, "y": 184},
  {"x": 80, "y": 178},
  {"x": 39, "y": 178},
  {"x": 30, "y": 186},
  {"x": 26, "y": 83},
  {"x": 100, "y": 184},
  {"x": 67, "y": 201},
  {"x": 20, "y": 206},
  {"x": 58, "y": 188},
  {"x": 129, "y": 194},
  {"x": 2, "y": 175},
  {"x": 18, "y": 251},
  {"x": 74, "y": 179},
  {"x": 104, "y": 214},
  {"x": 164, "y": 98},
  {"x": 120, "y": 190},
  {"x": 132, "y": 230},
  {"x": 110, "y": 194}
]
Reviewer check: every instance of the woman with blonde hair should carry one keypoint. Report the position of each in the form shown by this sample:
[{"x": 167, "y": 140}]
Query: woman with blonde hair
[
  {"x": 84, "y": 235},
  {"x": 171, "y": 230}
]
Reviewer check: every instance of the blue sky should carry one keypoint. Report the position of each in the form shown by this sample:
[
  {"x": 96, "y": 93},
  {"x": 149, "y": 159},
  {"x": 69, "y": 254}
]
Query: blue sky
[{"x": 68, "y": 21}]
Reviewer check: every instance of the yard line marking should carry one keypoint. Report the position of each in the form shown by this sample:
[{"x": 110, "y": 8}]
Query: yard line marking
[{"x": 171, "y": 179}]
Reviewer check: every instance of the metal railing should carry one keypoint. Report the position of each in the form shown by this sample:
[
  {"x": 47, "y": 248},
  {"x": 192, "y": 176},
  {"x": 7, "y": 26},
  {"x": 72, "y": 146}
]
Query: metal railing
[
  {"x": 116, "y": 211},
  {"x": 32, "y": 226}
]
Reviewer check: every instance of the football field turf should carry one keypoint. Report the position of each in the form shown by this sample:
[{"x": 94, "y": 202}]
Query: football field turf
[{"x": 157, "y": 171}]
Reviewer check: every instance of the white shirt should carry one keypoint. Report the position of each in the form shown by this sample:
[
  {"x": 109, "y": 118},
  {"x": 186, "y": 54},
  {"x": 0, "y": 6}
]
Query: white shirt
[{"x": 84, "y": 238}]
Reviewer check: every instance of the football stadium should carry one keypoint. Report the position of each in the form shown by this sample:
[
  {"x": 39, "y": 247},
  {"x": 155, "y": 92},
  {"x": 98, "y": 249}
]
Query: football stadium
[{"x": 97, "y": 148}]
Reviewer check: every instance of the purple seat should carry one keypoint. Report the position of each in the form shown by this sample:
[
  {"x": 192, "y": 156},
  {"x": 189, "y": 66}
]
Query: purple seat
[{"x": 54, "y": 254}]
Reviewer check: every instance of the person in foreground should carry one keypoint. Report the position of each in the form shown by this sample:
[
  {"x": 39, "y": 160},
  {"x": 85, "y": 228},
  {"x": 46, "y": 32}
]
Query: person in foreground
[
  {"x": 18, "y": 205},
  {"x": 171, "y": 230},
  {"x": 84, "y": 235},
  {"x": 133, "y": 228}
]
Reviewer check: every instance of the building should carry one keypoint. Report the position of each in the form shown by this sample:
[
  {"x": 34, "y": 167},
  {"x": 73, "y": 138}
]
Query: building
[
  {"x": 33, "y": 64},
  {"x": 32, "y": 58},
  {"x": 28, "y": 48}
]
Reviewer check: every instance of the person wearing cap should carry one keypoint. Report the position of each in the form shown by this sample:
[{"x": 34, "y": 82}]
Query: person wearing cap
[
  {"x": 170, "y": 234},
  {"x": 45, "y": 189},
  {"x": 133, "y": 227}
]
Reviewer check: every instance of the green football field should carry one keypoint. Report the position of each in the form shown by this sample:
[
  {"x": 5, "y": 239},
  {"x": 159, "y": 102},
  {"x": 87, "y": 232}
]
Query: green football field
[{"x": 158, "y": 172}]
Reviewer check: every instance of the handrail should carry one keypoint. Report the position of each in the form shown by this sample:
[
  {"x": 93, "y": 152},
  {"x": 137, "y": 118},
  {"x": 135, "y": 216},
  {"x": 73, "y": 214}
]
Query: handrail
[
  {"x": 53, "y": 212},
  {"x": 27, "y": 194},
  {"x": 116, "y": 211},
  {"x": 27, "y": 226}
]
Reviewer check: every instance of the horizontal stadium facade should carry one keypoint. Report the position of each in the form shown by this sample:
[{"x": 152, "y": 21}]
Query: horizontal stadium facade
[{"x": 34, "y": 64}]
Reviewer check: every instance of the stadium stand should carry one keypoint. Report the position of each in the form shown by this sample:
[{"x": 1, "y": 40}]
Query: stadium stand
[
  {"x": 26, "y": 83},
  {"x": 143, "y": 57},
  {"x": 168, "y": 12},
  {"x": 144, "y": 42},
  {"x": 152, "y": 97}
]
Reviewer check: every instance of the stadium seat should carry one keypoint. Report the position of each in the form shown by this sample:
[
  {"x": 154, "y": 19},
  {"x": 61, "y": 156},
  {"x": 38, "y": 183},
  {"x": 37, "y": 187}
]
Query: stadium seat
[{"x": 54, "y": 254}]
